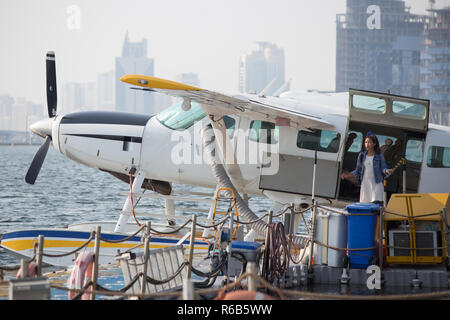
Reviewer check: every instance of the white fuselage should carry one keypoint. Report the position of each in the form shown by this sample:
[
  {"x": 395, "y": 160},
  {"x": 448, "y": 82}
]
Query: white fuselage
[{"x": 116, "y": 142}]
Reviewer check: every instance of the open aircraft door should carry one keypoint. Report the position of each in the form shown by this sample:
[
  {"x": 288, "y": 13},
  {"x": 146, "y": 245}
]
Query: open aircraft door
[
  {"x": 291, "y": 170},
  {"x": 401, "y": 125}
]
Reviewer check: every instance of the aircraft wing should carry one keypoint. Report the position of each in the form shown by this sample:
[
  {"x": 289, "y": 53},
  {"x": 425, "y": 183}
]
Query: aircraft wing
[{"x": 219, "y": 104}]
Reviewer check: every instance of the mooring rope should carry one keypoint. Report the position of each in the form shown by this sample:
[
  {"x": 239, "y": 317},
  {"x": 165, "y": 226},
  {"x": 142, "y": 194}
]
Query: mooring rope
[
  {"x": 282, "y": 293},
  {"x": 278, "y": 252},
  {"x": 73, "y": 251}
]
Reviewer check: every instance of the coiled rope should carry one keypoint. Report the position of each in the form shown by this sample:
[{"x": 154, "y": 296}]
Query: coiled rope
[{"x": 278, "y": 262}]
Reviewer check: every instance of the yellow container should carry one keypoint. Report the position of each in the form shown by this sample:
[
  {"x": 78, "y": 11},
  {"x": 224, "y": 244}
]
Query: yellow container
[{"x": 427, "y": 216}]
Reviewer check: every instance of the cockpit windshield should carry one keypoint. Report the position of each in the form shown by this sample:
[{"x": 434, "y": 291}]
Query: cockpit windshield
[{"x": 177, "y": 119}]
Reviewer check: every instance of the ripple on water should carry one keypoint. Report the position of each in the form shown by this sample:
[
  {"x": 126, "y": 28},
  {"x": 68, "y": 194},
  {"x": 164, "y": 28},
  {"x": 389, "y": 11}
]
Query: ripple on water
[{"x": 66, "y": 192}]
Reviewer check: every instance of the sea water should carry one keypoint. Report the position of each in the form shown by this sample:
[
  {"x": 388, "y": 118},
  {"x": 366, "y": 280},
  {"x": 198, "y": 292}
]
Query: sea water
[{"x": 67, "y": 192}]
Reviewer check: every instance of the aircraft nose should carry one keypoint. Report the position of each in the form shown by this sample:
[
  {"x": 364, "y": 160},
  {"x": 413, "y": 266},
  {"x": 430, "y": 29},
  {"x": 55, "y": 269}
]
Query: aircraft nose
[{"x": 43, "y": 127}]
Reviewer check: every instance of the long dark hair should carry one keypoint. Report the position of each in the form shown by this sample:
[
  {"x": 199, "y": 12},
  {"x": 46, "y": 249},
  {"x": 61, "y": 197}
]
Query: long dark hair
[{"x": 374, "y": 139}]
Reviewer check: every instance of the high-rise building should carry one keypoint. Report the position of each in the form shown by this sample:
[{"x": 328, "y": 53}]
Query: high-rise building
[
  {"x": 373, "y": 51},
  {"x": 261, "y": 67},
  {"x": 24, "y": 113},
  {"x": 6, "y": 103},
  {"x": 406, "y": 66},
  {"x": 134, "y": 60},
  {"x": 105, "y": 90},
  {"x": 73, "y": 97},
  {"x": 189, "y": 78},
  {"x": 435, "y": 65},
  {"x": 90, "y": 95}
]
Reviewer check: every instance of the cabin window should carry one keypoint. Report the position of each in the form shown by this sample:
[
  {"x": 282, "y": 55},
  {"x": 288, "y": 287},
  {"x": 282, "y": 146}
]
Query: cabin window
[
  {"x": 319, "y": 140},
  {"x": 230, "y": 124},
  {"x": 177, "y": 119},
  {"x": 438, "y": 157},
  {"x": 414, "y": 150},
  {"x": 371, "y": 104},
  {"x": 354, "y": 141},
  {"x": 408, "y": 109},
  {"x": 264, "y": 132},
  {"x": 388, "y": 146}
]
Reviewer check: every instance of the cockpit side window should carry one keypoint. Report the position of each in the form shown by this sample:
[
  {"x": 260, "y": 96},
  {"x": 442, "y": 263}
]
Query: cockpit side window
[
  {"x": 264, "y": 132},
  {"x": 177, "y": 119},
  {"x": 320, "y": 140},
  {"x": 230, "y": 124}
]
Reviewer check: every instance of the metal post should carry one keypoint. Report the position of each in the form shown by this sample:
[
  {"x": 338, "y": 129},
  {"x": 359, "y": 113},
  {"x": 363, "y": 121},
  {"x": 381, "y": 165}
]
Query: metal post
[
  {"x": 207, "y": 231},
  {"x": 169, "y": 211},
  {"x": 188, "y": 290},
  {"x": 314, "y": 178},
  {"x": 313, "y": 220},
  {"x": 191, "y": 247},
  {"x": 266, "y": 249},
  {"x": 404, "y": 176},
  {"x": 230, "y": 244},
  {"x": 39, "y": 254},
  {"x": 96, "y": 258},
  {"x": 312, "y": 232},
  {"x": 146, "y": 254},
  {"x": 125, "y": 214},
  {"x": 444, "y": 218},
  {"x": 24, "y": 267},
  {"x": 252, "y": 283},
  {"x": 290, "y": 235},
  {"x": 380, "y": 240}
]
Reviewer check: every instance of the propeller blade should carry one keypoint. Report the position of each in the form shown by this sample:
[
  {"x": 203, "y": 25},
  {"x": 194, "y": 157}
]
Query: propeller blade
[
  {"x": 38, "y": 159},
  {"x": 51, "y": 84}
]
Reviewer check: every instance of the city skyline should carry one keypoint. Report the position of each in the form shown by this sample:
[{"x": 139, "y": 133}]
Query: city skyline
[
  {"x": 181, "y": 39},
  {"x": 262, "y": 71}
]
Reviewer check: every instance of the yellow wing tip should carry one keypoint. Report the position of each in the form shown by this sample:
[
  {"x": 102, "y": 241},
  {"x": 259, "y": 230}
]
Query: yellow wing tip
[{"x": 156, "y": 83}]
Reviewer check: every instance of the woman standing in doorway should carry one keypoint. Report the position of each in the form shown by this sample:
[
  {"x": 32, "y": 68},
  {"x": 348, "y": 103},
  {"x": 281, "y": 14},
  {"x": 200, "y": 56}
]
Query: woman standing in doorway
[{"x": 370, "y": 168}]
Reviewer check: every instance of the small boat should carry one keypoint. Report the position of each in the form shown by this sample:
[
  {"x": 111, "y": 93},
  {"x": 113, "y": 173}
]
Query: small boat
[{"x": 59, "y": 242}]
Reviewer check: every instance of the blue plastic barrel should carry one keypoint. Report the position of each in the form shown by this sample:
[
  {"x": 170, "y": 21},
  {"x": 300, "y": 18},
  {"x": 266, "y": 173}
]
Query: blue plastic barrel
[{"x": 361, "y": 233}]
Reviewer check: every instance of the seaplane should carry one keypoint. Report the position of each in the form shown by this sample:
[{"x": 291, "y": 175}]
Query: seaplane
[{"x": 290, "y": 147}]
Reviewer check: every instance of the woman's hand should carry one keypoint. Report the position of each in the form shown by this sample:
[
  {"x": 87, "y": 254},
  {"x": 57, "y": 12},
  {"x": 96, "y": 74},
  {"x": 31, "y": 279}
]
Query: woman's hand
[
  {"x": 389, "y": 171},
  {"x": 345, "y": 175}
]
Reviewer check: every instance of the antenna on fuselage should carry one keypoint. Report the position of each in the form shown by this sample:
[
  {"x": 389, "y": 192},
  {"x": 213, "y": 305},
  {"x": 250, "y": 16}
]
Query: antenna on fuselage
[
  {"x": 264, "y": 91},
  {"x": 283, "y": 88}
]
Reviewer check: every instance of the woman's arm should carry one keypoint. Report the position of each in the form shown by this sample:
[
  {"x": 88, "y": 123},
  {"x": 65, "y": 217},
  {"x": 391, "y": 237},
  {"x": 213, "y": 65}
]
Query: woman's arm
[
  {"x": 354, "y": 173},
  {"x": 357, "y": 170},
  {"x": 383, "y": 165}
]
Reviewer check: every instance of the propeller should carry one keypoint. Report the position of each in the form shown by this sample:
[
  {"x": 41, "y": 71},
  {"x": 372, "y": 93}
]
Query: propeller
[
  {"x": 37, "y": 162},
  {"x": 44, "y": 127},
  {"x": 51, "y": 84}
]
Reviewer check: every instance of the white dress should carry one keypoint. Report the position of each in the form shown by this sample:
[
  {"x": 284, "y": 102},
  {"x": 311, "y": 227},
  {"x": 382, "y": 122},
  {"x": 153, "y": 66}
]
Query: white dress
[{"x": 370, "y": 190}]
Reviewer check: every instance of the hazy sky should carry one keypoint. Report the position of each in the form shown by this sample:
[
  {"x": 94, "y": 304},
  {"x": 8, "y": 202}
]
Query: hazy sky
[{"x": 202, "y": 36}]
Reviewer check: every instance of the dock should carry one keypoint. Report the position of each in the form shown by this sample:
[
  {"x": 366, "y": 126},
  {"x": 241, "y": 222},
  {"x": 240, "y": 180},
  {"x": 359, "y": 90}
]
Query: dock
[{"x": 178, "y": 272}]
